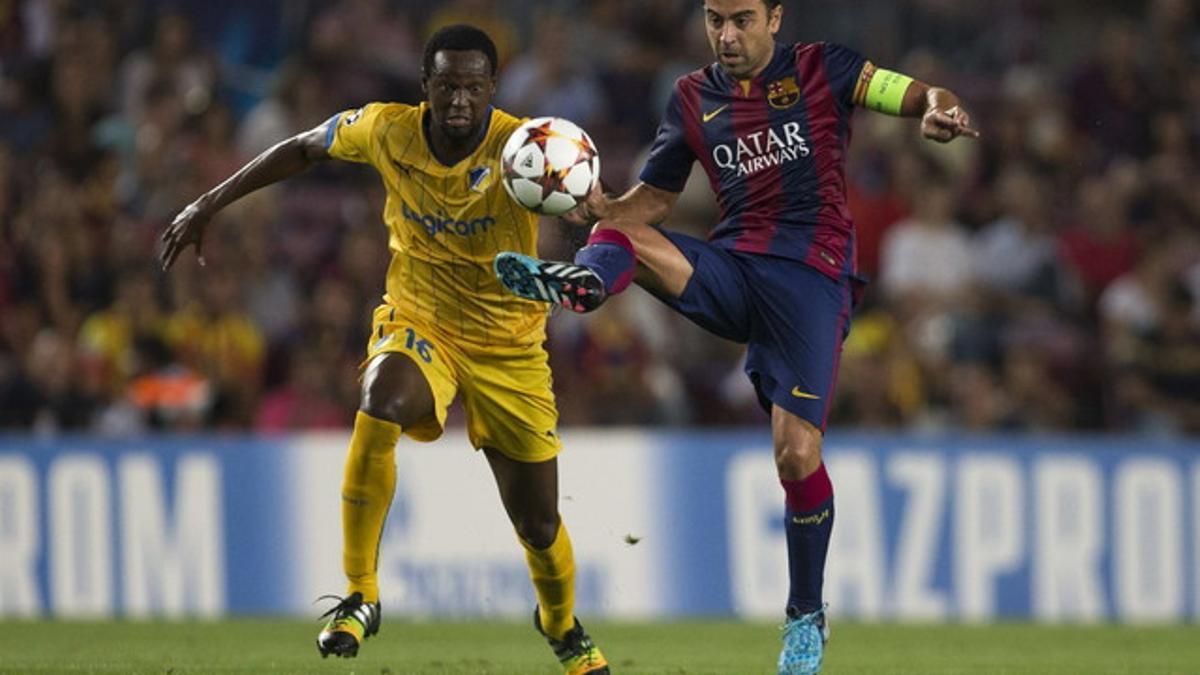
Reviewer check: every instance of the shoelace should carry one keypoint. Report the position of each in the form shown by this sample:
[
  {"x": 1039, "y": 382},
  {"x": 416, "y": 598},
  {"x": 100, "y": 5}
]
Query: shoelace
[
  {"x": 814, "y": 619},
  {"x": 588, "y": 654},
  {"x": 575, "y": 646},
  {"x": 344, "y": 605}
]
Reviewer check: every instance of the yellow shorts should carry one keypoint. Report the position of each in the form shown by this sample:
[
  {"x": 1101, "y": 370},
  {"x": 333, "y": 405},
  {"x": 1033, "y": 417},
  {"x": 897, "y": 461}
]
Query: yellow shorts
[{"x": 507, "y": 397}]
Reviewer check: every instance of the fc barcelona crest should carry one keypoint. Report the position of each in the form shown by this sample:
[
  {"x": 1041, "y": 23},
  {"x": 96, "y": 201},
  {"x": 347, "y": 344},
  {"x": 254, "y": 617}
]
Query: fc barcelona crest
[{"x": 783, "y": 93}]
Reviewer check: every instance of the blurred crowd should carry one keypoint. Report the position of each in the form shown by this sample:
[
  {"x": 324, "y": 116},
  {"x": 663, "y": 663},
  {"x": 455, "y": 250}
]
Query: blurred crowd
[{"x": 1045, "y": 277}]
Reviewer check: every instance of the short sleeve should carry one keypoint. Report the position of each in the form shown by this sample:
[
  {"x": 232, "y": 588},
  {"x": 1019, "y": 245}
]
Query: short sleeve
[
  {"x": 842, "y": 68},
  {"x": 351, "y": 134},
  {"x": 671, "y": 157}
]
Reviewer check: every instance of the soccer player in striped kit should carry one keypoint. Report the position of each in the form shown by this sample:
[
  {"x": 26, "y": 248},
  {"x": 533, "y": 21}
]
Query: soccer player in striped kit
[{"x": 770, "y": 124}]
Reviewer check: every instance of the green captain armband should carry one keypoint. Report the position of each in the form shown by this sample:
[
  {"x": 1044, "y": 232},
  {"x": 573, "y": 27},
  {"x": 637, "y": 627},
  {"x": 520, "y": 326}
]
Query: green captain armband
[{"x": 885, "y": 92}]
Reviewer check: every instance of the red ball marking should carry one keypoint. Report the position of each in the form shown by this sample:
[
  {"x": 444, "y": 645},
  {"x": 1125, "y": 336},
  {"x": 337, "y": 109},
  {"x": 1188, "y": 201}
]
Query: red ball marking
[{"x": 540, "y": 134}]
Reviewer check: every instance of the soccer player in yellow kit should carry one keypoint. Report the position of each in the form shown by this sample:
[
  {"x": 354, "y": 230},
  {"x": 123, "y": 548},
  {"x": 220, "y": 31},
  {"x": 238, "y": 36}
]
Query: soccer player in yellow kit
[{"x": 446, "y": 326}]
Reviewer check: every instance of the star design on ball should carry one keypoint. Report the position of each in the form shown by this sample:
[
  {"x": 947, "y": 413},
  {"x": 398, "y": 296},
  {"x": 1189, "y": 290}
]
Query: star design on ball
[
  {"x": 543, "y": 133},
  {"x": 540, "y": 134}
]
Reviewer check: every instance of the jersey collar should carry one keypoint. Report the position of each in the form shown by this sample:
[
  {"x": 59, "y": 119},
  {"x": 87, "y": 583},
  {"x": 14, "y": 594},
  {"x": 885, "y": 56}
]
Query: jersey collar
[
  {"x": 424, "y": 127},
  {"x": 778, "y": 59}
]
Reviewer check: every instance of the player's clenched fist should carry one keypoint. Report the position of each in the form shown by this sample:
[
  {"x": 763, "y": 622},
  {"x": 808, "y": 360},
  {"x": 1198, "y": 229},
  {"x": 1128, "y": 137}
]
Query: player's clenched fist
[{"x": 945, "y": 125}]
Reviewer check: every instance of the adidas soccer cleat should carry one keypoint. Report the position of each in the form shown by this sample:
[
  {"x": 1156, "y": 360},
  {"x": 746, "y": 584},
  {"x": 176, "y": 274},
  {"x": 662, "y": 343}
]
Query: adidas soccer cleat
[
  {"x": 804, "y": 638},
  {"x": 575, "y": 287},
  {"x": 575, "y": 651},
  {"x": 350, "y": 622}
]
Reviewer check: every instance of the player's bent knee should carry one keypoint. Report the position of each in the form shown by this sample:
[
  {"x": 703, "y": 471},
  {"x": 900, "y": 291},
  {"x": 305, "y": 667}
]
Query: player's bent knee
[
  {"x": 537, "y": 531},
  {"x": 796, "y": 458},
  {"x": 392, "y": 405},
  {"x": 390, "y": 411}
]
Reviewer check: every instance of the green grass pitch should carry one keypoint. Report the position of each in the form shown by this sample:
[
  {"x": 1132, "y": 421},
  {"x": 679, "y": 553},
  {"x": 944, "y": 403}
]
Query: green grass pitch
[{"x": 726, "y": 648}]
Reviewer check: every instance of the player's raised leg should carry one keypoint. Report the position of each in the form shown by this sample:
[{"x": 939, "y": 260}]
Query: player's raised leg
[
  {"x": 808, "y": 524},
  {"x": 395, "y": 394},
  {"x": 529, "y": 491},
  {"x": 618, "y": 252}
]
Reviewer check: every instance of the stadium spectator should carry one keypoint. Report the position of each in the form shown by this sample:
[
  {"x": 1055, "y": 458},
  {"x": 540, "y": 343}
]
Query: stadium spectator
[
  {"x": 163, "y": 395},
  {"x": 925, "y": 260},
  {"x": 1016, "y": 254},
  {"x": 173, "y": 60},
  {"x": 485, "y": 14},
  {"x": 1159, "y": 368},
  {"x": 1097, "y": 245},
  {"x": 297, "y": 103},
  {"x": 553, "y": 78},
  {"x": 881, "y": 384},
  {"x": 106, "y": 338},
  {"x": 214, "y": 337},
  {"x": 305, "y": 400},
  {"x": 44, "y": 395},
  {"x": 1110, "y": 100},
  {"x": 211, "y": 150}
]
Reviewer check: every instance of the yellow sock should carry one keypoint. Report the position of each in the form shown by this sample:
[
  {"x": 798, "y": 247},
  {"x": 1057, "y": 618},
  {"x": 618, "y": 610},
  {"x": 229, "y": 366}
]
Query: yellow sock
[
  {"x": 367, "y": 487},
  {"x": 553, "y": 572}
]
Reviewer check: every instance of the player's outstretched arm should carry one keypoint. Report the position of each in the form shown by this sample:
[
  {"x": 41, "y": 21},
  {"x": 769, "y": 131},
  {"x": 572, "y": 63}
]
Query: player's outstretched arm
[
  {"x": 643, "y": 203},
  {"x": 282, "y": 160},
  {"x": 943, "y": 117}
]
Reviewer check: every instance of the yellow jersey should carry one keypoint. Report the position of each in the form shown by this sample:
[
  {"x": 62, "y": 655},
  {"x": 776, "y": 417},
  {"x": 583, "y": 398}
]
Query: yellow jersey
[{"x": 445, "y": 225}]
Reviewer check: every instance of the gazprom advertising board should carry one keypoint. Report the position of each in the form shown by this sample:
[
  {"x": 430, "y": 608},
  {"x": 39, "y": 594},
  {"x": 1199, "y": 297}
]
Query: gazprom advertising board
[{"x": 664, "y": 524}]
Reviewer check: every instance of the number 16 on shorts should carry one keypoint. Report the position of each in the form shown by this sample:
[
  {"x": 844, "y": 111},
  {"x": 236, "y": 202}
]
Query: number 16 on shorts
[{"x": 418, "y": 344}]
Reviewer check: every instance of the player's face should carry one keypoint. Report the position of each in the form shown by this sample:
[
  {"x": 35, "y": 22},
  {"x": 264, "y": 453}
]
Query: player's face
[
  {"x": 742, "y": 34},
  {"x": 459, "y": 88}
]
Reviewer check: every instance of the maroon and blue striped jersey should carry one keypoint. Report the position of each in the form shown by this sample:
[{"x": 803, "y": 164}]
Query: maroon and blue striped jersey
[{"x": 774, "y": 149}]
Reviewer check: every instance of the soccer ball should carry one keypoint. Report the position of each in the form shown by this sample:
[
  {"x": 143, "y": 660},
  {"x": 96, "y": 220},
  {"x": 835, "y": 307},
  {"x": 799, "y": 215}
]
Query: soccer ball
[{"x": 549, "y": 165}]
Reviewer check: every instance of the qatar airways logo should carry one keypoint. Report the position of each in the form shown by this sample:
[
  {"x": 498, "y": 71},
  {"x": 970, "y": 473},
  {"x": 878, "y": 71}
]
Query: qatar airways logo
[{"x": 754, "y": 152}]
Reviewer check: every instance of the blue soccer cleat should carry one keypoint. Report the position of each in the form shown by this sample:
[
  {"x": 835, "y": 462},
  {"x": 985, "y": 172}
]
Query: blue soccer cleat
[
  {"x": 575, "y": 287},
  {"x": 804, "y": 638}
]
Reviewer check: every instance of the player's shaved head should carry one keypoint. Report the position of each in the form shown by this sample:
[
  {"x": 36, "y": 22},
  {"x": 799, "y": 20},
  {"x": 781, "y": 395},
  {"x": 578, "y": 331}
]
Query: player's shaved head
[{"x": 459, "y": 38}]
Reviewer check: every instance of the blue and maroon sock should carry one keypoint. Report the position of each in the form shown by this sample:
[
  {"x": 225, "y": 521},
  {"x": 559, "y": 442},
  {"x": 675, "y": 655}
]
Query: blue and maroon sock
[
  {"x": 609, "y": 254},
  {"x": 808, "y": 524}
]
